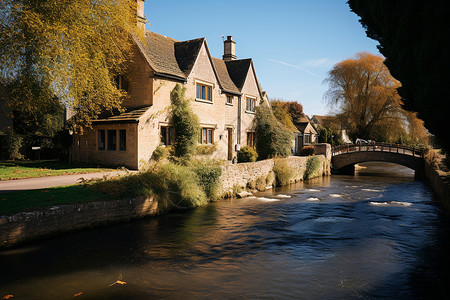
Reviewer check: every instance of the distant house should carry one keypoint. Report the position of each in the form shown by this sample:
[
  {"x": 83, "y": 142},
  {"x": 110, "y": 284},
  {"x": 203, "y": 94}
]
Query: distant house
[
  {"x": 333, "y": 123},
  {"x": 224, "y": 93},
  {"x": 307, "y": 134}
]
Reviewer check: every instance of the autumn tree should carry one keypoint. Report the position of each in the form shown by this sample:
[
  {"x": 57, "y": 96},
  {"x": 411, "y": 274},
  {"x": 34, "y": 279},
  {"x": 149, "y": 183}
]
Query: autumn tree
[
  {"x": 280, "y": 110},
  {"x": 365, "y": 95},
  {"x": 65, "y": 51},
  {"x": 413, "y": 36}
]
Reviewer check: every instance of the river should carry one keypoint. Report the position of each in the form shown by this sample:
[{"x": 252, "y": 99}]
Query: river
[{"x": 378, "y": 234}]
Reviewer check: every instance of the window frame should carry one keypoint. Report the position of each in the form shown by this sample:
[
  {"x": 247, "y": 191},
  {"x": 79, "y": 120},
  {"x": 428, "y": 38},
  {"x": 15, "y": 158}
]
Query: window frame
[
  {"x": 250, "y": 104},
  {"x": 169, "y": 135},
  {"x": 206, "y": 136},
  {"x": 101, "y": 139},
  {"x": 230, "y": 98},
  {"x": 111, "y": 143},
  {"x": 251, "y": 139},
  {"x": 122, "y": 140},
  {"x": 204, "y": 92}
]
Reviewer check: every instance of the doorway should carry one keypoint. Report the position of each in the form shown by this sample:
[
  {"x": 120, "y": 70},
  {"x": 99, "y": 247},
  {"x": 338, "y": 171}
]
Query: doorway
[{"x": 230, "y": 143}]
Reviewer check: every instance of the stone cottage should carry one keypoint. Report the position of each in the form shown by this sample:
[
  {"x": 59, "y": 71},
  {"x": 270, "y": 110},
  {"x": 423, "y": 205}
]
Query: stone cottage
[{"x": 224, "y": 95}]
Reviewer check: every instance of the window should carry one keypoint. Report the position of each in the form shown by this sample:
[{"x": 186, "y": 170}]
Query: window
[
  {"x": 122, "y": 140},
  {"x": 112, "y": 142},
  {"x": 204, "y": 92},
  {"x": 207, "y": 136},
  {"x": 101, "y": 140},
  {"x": 121, "y": 82},
  {"x": 167, "y": 135},
  {"x": 250, "y": 104},
  {"x": 307, "y": 138},
  {"x": 230, "y": 100},
  {"x": 251, "y": 139}
]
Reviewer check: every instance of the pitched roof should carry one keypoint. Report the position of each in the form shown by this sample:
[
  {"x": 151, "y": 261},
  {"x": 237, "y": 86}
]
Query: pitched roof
[
  {"x": 130, "y": 115},
  {"x": 186, "y": 53},
  {"x": 224, "y": 77},
  {"x": 175, "y": 59},
  {"x": 159, "y": 52},
  {"x": 238, "y": 70}
]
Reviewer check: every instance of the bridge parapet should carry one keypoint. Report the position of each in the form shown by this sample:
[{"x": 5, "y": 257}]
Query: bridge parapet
[
  {"x": 346, "y": 156},
  {"x": 381, "y": 147}
]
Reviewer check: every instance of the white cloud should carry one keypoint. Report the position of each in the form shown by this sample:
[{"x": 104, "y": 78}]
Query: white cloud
[{"x": 294, "y": 66}]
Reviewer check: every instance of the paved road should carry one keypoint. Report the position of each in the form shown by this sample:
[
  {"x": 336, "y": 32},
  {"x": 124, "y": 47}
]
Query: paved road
[{"x": 8, "y": 186}]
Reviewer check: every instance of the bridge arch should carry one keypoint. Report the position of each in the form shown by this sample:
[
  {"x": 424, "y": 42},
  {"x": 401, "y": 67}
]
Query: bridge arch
[{"x": 344, "y": 158}]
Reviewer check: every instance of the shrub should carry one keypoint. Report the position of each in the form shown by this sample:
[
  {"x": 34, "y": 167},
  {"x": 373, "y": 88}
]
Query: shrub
[
  {"x": 247, "y": 154},
  {"x": 187, "y": 126},
  {"x": 208, "y": 172},
  {"x": 10, "y": 146},
  {"x": 159, "y": 153},
  {"x": 283, "y": 172},
  {"x": 306, "y": 151},
  {"x": 312, "y": 167},
  {"x": 270, "y": 178},
  {"x": 206, "y": 149},
  {"x": 273, "y": 139}
]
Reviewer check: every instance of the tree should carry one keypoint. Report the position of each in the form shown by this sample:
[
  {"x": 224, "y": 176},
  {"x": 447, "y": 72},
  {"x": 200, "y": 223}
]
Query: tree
[
  {"x": 65, "y": 51},
  {"x": 187, "y": 125},
  {"x": 365, "y": 93},
  {"x": 280, "y": 110},
  {"x": 273, "y": 139},
  {"x": 413, "y": 36}
]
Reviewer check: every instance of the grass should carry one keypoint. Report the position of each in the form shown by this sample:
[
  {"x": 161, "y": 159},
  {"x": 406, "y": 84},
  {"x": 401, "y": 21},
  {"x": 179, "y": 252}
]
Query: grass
[
  {"x": 36, "y": 199},
  {"x": 28, "y": 169}
]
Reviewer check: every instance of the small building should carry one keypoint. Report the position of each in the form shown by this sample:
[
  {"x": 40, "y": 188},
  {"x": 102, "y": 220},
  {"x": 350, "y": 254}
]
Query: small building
[
  {"x": 306, "y": 135},
  {"x": 333, "y": 123},
  {"x": 224, "y": 94}
]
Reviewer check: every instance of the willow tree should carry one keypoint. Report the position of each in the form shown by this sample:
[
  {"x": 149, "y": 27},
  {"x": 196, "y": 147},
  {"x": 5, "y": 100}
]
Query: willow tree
[
  {"x": 65, "y": 51},
  {"x": 366, "y": 98}
]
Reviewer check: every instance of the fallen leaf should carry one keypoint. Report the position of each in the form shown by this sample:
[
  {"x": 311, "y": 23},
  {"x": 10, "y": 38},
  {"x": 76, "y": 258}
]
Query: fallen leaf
[
  {"x": 8, "y": 297},
  {"x": 45, "y": 191},
  {"x": 4, "y": 199},
  {"x": 78, "y": 294},
  {"x": 118, "y": 282}
]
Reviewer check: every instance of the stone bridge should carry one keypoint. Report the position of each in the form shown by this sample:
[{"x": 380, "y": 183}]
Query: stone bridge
[{"x": 344, "y": 157}]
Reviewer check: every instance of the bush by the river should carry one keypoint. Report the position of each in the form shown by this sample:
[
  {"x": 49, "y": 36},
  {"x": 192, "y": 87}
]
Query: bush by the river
[
  {"x": 284, "y": 173},
  {"x": 247, "y": 154},
  {"x": 312, "y": 167},
  {"x": 273, "y": 138}
]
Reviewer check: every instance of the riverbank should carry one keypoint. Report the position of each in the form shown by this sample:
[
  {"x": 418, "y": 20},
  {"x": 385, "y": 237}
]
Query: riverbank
[
  {"x": 26, "y": 226},
  {"x": 438, "y": 178}
]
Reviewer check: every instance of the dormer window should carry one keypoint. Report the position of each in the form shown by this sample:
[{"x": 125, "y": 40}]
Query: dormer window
[{"x": 204, "y": 92}]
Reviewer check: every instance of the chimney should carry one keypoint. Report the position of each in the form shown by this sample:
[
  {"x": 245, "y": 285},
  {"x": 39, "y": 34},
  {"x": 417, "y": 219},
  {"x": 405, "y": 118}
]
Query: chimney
[
  {"x": 229, "y": 49},
  {"x": 141, "y": 19}
]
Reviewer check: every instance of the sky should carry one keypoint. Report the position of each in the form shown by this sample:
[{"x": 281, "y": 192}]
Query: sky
[{"x": 293, "y": 43}]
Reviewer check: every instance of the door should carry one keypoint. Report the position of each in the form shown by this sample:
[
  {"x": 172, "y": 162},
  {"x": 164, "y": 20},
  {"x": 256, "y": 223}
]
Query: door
[{"x": 230, "y": 143}]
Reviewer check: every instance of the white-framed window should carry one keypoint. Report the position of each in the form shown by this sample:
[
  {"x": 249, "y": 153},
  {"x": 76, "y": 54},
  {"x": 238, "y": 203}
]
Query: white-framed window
[
  {"x": 250, "y": 104},
  {"x": 204, "y": 92},
  {"x": 207, "y": 136},
  {"x": 229, "y": 100}
]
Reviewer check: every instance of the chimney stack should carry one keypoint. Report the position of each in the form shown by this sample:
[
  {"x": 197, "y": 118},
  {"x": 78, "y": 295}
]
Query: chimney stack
[
  {"x": 229, "y": 49},
  {"x": 140, "y": 16}
]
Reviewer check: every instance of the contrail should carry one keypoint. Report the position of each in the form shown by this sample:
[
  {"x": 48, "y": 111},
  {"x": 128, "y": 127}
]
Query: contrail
[{"x": 294, "y": 66}]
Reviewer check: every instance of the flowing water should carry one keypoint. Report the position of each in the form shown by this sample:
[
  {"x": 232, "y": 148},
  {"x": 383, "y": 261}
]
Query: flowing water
[{"x": 376, "y": 235}]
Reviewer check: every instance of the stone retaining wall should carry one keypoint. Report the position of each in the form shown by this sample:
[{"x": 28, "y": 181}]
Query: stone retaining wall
[
  {"x": 439, "y": 183},
  {"x": 28, "y": 226},
  {"x": 243, "y": 173}
]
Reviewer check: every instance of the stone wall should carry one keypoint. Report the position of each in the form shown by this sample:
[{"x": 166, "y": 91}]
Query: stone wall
[
  {"x": 243, "y": 173},
  {"x": 28, "y": 226},
  {"x": 440, "y": 184}
]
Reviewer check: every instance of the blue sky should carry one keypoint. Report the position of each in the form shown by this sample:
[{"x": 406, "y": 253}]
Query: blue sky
[{"x": 293, "y": 43}]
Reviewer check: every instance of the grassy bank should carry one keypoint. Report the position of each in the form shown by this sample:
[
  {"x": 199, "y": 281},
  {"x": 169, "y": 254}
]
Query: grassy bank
[
  {"x": 29, "y": 169},
  {"x": 36, "y": 199}
]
